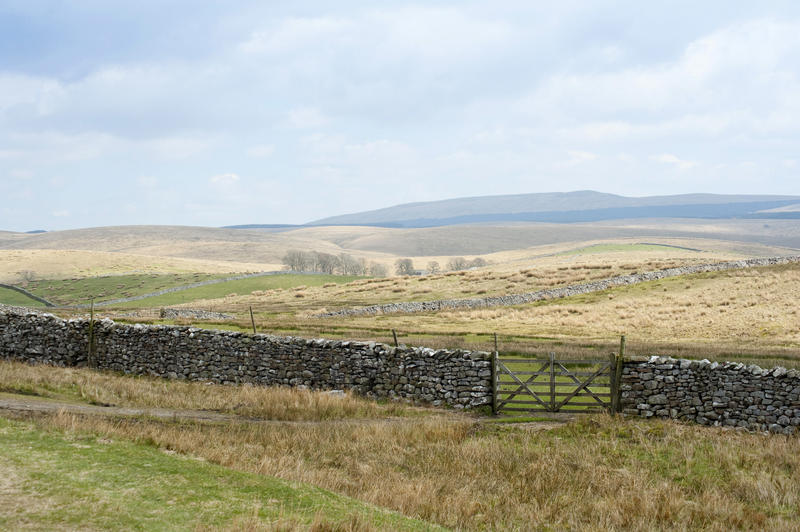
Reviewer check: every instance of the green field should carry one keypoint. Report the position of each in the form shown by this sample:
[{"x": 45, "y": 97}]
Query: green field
[
  {"x": 12, "y": 297},
  {"x": 81, "y": 291},
  {"x": 240, "y": 287},
  {"x": 77, "y": 480}
]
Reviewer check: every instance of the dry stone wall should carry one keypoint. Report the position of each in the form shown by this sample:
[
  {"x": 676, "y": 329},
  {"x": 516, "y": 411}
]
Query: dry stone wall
[
  {"x": 728, "y": 394},
  {"x": 412, "y": 307},
  {"x": 461, "y": 379}
]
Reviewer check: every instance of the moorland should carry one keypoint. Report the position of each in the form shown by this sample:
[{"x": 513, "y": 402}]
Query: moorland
[{"x": 323, "y": 461}]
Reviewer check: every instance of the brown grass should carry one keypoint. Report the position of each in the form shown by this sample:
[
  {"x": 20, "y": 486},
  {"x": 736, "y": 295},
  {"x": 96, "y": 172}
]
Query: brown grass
[
  {"x": 595, "y": 473},
  {"x": 278, "y": 403}
]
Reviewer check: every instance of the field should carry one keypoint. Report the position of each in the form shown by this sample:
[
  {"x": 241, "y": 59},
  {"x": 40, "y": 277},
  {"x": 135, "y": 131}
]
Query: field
[
  {"x": 433, "y": 467},
  {"x": 443, "y": 468},
  {"x": 14, "y": 298}
]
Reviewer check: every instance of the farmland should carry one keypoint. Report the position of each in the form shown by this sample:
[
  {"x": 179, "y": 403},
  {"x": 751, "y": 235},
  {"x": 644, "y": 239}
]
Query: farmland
[{"x": 348, "y": 462}]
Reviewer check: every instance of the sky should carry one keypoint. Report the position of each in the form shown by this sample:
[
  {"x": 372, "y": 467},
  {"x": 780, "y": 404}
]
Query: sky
[{"x": 237, "y": 112}]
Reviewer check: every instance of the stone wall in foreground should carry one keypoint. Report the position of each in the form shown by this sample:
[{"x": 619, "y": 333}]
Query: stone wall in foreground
[
  {"x": 457, "y": 378},
  {"x": 729, "y": 394}
]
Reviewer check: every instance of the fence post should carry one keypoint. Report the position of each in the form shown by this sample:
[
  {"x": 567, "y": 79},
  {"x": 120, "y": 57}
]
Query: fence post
[
  {"x": 618, "y": 374},
  {"x": 394, "y": 334},
  {"x": 252, "y": 320},
  {"x": 613, "y": 358},
  {"x": 90, "y": 361},
  {"x": 552, "y": 381},
  {"x": 494, "y": 383}
]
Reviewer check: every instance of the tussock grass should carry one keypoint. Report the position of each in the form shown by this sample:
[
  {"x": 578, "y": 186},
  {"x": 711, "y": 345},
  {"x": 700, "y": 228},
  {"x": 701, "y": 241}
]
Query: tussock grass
[
  {"x": 278, "y": 403},
  {"x": 596, "y": 473},
  {"x": 72, "y": 480}
]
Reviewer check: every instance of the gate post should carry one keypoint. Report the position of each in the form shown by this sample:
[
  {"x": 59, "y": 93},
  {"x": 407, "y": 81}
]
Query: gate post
[
  {"x": 494, "y": 383},
  {"x": 552, "y": 381},
  {"x": 618, "y": 375}
]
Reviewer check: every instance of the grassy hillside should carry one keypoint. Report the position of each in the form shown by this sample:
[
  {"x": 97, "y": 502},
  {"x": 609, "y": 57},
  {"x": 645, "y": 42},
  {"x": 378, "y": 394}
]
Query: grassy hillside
[
  {"x": 82, "y": 290},
  {"x": 68, "y": 478},
  {"x": 230, "y": 289},
  {"x": 18, "y": 265},
  {"x": 748, "y": 315},
  {"x": 12, "y": 297}
]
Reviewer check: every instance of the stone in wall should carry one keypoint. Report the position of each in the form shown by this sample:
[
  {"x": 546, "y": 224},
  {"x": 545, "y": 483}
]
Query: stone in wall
[
  {"x": 728, "y": 394},
  {"x": 461, "y": 379}
]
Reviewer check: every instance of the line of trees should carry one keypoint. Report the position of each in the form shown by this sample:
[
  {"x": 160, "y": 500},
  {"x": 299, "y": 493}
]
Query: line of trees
[
  {"x": 342, "y": 264},
  {"x": 460, "y": 263}
]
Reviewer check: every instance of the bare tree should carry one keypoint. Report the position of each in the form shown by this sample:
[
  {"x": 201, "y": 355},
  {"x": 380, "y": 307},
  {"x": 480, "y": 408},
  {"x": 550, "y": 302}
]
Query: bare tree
[
  {"x": 296, "y": 260},
  {"x": 377, "y": 270},
  {"x": 433, "y": 267},
  {"x": 325, "y": 262},
  {"x": 457, "y": 263},
  {"x": 477, "y": 262},
  {"x": 404, "y": 266},
  {"x": 350, "y": 265}
]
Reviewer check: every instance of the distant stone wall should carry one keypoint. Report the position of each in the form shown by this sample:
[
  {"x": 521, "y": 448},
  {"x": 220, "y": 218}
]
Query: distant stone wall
[
  {"x": 30, "y": 295},
  {"x": 728, "y": 394},
  {"x": 461, "y": 379},
  {"x": 411, "y": 307}
]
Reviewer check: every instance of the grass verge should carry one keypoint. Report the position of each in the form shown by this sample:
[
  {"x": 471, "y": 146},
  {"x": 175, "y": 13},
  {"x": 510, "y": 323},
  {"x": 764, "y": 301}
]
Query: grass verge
[
  {"x": 70, "y": 479},
  {"x": 276, "y": 403},
  {"x": 593, "y": 473}
]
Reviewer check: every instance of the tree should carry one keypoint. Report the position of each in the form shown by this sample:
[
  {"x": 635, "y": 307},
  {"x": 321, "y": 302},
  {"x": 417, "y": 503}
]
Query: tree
[
  {"x": 377, "y": 270},
  {"x": 350, "y": 265},
  {"x": 457, "y": 263},
  {"x": 477, "y": 262},
  {"x": 296, "y": 260},
  {"x": 433, "y": 267},
  {"x": 404, "y": 267},
  {"x": 325, "y": 262}
]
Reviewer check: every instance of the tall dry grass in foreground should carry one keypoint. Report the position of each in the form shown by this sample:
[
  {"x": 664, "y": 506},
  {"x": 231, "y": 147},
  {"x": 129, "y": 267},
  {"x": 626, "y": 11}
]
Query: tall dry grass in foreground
[
  {"x": 278, "y": 403},
  {"x": 595, "y": 473}
]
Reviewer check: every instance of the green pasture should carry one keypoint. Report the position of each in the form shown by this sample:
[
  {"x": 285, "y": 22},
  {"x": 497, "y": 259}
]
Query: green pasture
[
  {"x": 239, "y": 287},
  {"x": 73, "y": 480},
  {"x": 12, "y": 297},
  {"x": 81, "y": 290}
]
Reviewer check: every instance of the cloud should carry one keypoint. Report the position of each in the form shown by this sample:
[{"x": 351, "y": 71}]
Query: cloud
[
  {"x": 21, "y": 173},
  {"x": 264, "y": 150},
  {"x": 147, "y": 181},
  {"x": 293, "y": 33},
  {"x": 306, "y": 118},
  {"x": 224, "y": 179},
  {"x": 62, "y": 213},
  {"x": 668, "y": 158}
]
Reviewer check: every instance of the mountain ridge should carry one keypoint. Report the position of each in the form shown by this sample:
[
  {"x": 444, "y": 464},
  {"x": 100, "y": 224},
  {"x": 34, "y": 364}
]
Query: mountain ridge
[{"x": 566, "y": 207}]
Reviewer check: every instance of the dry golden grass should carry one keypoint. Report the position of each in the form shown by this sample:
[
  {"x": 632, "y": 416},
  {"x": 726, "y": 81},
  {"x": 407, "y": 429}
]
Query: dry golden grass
[
  {"x": 753, "y": 307},
  {"x": 277, "y": 403},
  {"x": 62, "y": 264},
  {"x": 594, "y": 473},
  {"x": 497, "y": 279}
]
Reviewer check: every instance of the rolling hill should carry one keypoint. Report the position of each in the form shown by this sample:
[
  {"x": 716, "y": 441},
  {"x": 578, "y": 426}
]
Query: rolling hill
[{"x": 569, "y": 207}]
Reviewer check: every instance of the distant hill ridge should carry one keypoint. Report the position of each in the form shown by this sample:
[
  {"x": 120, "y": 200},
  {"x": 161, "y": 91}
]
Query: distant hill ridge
[{"x": 568, "y": 207}]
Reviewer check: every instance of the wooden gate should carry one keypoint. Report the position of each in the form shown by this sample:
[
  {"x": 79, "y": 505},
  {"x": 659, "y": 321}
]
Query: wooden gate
[{"x": 551, "y": 385}]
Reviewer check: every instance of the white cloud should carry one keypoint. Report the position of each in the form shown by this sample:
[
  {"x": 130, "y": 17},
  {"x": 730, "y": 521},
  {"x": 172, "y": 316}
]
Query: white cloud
[
  {"x": 293, "y": 33},
  {"x": 62, "y": 213},
  {"x": 668, "y": 158},
  {"x": 264, "y": 150},
  {"x": 147, "y": 181},
  {"x": 306, "y": 118},
  {"x": 224, "y": 179},
  {"x": 21, "y": 173}
]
